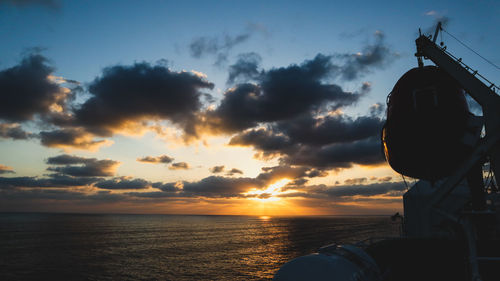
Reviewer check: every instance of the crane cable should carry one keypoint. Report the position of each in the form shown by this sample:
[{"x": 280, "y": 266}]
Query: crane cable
[{"x": 463, "y": 44}]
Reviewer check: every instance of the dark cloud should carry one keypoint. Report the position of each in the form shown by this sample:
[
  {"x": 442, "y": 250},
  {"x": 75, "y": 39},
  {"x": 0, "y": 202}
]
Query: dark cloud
[
  {"x": 340, "y": 155},
  {"x": 234, "y": 171},
  {"x": 155, "y": 160},
  {"x": 82, "y": 167},
  {"x": 246, "y": 68},
  {"x": 282, "y": 94},
  {"x": 13, "y": 131},
  {"x": 124, "y": 94},
  {"x": 52, "y": 4},
  {"x": 365, "y": 190},
  {"x": 216, "y": 46},
  {"x": 55, "y": 180},
  {"x": 332, "y": 141},
  {"x": 179, "y": 166},
  {"x": 272, "y": 174},
  {"x": 217, "y": 169},
  {"x": 66, "y": 159},
  {"x": 168, "y": 187},
  {"x": 6, "y": 169},
  {"x": 71, "y": 138},
  {"x": 376, "y": 55},
  {"x": 220, "y": 186},
  {"x": 26, "y": 90},
  {"x": 265, "y": 141},
  {"x": 377, "y": 110},
  {"x": 123, "y": 183},
  {"x": 385, "y": 179},
  {"x": 27, "y": 197},
  {"x": 355, "y": 181},
  {"x": 337, "y": 128}
]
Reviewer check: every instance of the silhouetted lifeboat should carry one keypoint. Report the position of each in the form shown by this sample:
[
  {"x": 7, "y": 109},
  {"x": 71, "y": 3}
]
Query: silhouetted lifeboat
[{"x": 427, "y": 117}]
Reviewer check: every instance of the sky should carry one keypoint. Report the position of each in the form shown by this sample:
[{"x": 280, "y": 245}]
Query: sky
[{"x": 212, "y": 107}]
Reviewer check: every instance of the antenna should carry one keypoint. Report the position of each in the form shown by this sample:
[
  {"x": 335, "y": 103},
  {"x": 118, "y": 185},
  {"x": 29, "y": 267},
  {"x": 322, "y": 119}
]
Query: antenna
[{"x": 438, "y": 28}]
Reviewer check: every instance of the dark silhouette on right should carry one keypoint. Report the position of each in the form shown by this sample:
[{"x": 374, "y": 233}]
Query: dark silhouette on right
[{"x": 451, "y": 223}]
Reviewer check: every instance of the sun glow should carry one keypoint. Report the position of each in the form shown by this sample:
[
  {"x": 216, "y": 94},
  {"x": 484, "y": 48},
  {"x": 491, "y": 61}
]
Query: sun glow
[{"x": 269, "y": 194}]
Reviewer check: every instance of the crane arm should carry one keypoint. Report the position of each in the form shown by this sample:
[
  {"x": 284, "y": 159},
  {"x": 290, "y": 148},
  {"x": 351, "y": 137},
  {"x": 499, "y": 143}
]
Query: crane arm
[
  {"x": 484, "y": 95},
  {"x": 477, "y": 89}
]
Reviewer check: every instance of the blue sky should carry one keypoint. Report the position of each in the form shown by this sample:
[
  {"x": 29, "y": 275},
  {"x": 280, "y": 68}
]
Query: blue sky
[{"x": 81, "y": 38}]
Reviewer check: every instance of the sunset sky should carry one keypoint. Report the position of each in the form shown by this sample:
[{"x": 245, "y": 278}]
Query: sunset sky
[{"x": 212, "y": 107}]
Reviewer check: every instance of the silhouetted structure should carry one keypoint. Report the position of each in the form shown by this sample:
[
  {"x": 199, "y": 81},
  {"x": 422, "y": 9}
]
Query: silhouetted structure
[{"x": 451, "y": 225}]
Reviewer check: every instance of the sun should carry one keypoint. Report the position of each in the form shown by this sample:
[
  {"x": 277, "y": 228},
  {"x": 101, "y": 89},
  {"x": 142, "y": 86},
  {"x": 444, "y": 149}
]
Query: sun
[{"x": 270, "y": 193}]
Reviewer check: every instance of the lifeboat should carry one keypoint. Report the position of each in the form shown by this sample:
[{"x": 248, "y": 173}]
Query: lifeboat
[{"x": 427, "y": 117}]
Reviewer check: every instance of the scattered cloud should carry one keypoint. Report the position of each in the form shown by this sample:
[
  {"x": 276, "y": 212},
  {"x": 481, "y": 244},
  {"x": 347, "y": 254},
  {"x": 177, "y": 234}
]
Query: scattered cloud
[
  {"x": 219, "y": 186},
  {"x": 13, "y": 131},
  {"x": 71, "y": 138},
  {"x": 56, "y": 181},
  {"x": 82, "y": 167},
  {"x": 219, "y": 47},
  {"x": 339, "y": 155},
  {"x": 217, "y": 169},
  {"x": 355, "y": 181},
  {"x": 216, "y": 46},
  {"x": 245, "y": 69},
  {"x": 234, "y": 171},
  {"x": 371, "y": 56},
  {"x": 282, "y": 94},
  {"x": 6, "y": 169},
  {"x": 179, "y": 166},
  {"x": 26, "y": 90},
  {"x": 128, "y": 94},
  {"x": 156, "y": 160},
  {"x": 123, "y": 183},
  {"x": 333, "y": 141}
]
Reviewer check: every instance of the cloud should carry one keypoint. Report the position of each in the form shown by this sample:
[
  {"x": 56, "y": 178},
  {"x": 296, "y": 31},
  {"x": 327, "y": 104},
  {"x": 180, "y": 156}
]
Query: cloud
[
  {"x": 156, "y": 160},
  {"x": 26, "y": 90},
  {"x": 234, "y": 171},
  {"x": 220, "y": 169},
  {"x": 70, "y": 138},
  {"x": 219, "y": 186},
  {"x": 6, "y": 169},
  {"x": 376, "y": 55},
  {"x": 377, "y": 110},
  {"x": 130, "y": 94},
  {"x": 13, "y": 131},
  {"x": 337, "y": 128},
  {"x": 219, "y": 47},
  {"x": 355, "y": 181},
  {"x": 385, "y": 179},
  {"x": 282, "y": 94},
  {"x": 179, "y": 166},
  {"x": 123, "y": 183},
  {"x": 272, "y": 174},
  {"x": 332, "y": 141},
  {"x": 339, "y": 155},
  {"x": 365, "y": 190},
  {"x": 82, "y": 167},
  {"x": 56, "y": 180},
  {"x": 246, "y": 68},
  {"x": 216, "y": 169},
  {"x": 52, "y": 4},
  {"x": 264, "y": 140}
]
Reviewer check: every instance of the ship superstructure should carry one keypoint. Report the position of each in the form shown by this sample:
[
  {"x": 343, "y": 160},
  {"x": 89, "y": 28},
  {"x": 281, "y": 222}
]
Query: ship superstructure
[{"x": 451, "y": 223}]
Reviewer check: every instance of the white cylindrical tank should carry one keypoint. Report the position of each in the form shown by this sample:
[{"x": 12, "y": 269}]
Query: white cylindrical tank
[{"x": 332, "y": 263}]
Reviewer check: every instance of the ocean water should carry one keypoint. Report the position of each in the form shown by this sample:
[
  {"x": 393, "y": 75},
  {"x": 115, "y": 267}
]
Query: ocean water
[{"x": 167, "y": 247}]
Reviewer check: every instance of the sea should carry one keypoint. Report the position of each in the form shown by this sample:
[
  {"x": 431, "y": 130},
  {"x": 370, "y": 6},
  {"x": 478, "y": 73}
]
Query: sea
[{"x": 41, "y": 246}]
